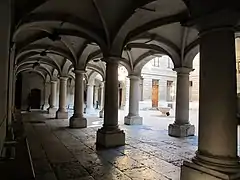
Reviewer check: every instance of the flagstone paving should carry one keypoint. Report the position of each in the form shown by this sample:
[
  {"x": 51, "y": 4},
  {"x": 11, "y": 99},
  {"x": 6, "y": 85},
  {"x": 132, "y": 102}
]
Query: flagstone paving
[{"x": 61, "y": 153}]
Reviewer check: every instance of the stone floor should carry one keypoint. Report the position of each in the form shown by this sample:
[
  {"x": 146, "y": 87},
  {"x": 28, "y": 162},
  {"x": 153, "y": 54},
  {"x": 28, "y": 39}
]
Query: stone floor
[{"x": 59, "y": 152}]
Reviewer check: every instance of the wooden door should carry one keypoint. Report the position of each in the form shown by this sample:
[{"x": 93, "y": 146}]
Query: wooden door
[{"x": 155, "y": 93}]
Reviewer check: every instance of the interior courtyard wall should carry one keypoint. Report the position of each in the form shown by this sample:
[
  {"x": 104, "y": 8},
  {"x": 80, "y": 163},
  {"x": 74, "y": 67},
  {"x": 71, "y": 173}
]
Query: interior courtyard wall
[
  {"x": 163, "y": 73},
  {"x": 31, "y": 81}
]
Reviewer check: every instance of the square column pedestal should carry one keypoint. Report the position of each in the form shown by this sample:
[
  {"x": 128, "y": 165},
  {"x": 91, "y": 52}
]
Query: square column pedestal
[
  {"x": 133, "y": 120},
  {"x": 62, "y": 115},
  {"x": 77, "y": 122},
  {"x": 184, "y": 130},
  {"x": 108, "y": 139},
  {"x": 191, "y": 171},
  {"x": 52, "y": 112}
]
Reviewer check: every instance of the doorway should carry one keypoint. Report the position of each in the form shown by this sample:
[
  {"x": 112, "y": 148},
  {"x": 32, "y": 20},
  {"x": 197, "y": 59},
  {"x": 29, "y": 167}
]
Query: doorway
[
  {"x": 35, "y": 99},
  {"x": 155, "y": 93}
]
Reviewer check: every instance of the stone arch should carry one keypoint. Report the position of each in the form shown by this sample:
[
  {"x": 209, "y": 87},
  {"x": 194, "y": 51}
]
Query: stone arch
[
  {"x": 39, "y": 23},
  {"x": 55, "y": 74},
  {"x": 190, "y": 55},
  {"x": 143, "y": 60},
  {"x": 93, "y": 75},
  {"x": 65, "y": 68},
  {"x": 31, "y": 70}
]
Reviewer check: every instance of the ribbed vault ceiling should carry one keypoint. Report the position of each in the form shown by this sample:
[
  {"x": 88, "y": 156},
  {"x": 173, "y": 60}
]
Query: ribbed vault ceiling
[{"x": 62, "y": 35}]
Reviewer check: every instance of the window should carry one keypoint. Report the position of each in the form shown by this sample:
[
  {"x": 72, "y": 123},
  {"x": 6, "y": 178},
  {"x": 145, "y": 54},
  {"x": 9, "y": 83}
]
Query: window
[
  {"x": 170, "y": 91},
  {"x": 156, "y": 62}
]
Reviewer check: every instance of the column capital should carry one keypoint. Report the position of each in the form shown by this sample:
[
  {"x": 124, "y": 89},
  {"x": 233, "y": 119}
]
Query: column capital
[
  {"x": 79, "y": 71},
  {"x": 215, "y": 21},
  {"x": 134, "y": 77},
  {"x": 53, "y": 81},
  {"x": 183, "y": 70},
  {"x": 102, "y": 84},
  {"x": 63, "y": 78},
  {"x": 112, "y": 59},
  {"x": 90, "y": 84}
]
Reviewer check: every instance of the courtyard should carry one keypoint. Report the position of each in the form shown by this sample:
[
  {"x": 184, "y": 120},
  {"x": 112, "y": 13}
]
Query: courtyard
[{"x": 59, "y": 152}]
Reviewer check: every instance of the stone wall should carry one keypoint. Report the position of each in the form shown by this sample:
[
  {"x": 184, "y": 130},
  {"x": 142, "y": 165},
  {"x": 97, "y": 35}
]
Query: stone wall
[
  {"x": 31, "y": 81},
  {"x": 5, "y": 20}
]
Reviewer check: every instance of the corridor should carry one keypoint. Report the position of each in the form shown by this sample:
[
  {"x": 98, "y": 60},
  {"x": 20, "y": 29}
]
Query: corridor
[{"x": 59, "y": 152}]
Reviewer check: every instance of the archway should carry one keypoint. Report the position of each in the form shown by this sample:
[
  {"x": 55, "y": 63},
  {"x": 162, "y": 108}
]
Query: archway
[{"x": 122, "y": 90}]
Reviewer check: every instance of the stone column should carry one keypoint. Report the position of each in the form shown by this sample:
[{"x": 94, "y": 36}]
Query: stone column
[
  {"x": 216, "y": 157},
  {"x": 52, "y": 99},
  {"x": 181, "y": 127},
  {"x": 62, "y": 111},
  {"x": 96, "y": 96},
  {"x": 141, "y": 88},
  {"x": 45, "y": 106},
  {"x": 110, "y": 135},
  {"x": 90, "y": 108},
  {"x": 101, "y": 113},
  {"x": 133, "y": 117},
  {"x": 78, "y": 120}
]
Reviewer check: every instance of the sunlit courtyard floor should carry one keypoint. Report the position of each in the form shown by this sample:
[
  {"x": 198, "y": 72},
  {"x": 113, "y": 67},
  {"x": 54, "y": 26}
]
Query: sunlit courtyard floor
[{"x": 59, "y": 152}]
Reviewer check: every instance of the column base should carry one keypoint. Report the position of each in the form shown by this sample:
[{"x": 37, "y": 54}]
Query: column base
[
  {"x": 133, "y": 120},
  {"x": 108, "y": 139},
  {"x": 45, "y": 107},
  {"x": 61, "y": 115},
  {"x": 181, "y": 130},
  {"x": 77, "y": 122},
  {"x": 101, "y": 113},
  {"x": 52, "y": 112},
  {"x": 190, "y": 171}
]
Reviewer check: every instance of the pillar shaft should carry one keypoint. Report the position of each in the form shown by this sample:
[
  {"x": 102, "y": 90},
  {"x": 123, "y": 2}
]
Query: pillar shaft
[
  {"x": 45, "y": 95},
  {"x": 62, "y": 111},
  {"x": 102, "y": 94},
  {"x": 90, "y": 88},
  {"x": 79, "y": 93},
  {"x": 182, "y": 96},
  {"x": 102, "y": 99},
  {"x": 216, "y": 157},
  {"x": 78, "y": 120},
  {"x": 134, "y": 95},
  {"x": 133, "y": 117},
  {"x": 218, "y": 103},
  {"x": 53, "y": 94},
  {"x": 110, "y": 135},
  {"x": 181, "y": 126},
  {"x": 63, "y": 94},
  {"x": 111, "y": 96}
]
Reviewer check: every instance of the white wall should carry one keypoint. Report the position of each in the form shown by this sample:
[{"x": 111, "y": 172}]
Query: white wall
[{"x": 163, "y": 73}]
